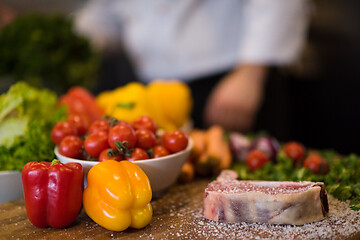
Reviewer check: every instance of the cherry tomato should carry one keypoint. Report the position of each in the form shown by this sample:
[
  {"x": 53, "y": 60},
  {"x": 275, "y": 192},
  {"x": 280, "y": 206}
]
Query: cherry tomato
[
  {"x": 122, "y": 133},
  {"x": 122, "y": 122},
  {"x": 256, "y": 159},
  {"x": 138, "y": 154},
  {"x": 159, "y": 140},
  {"x": 79, "y": 122},
  {"x": 61, "y": 130},
  {"x": 145, "y": 139},
  {"x": 71, "y": 146},
  {"x": 95, "y": 143},
  {"x": 99, "y": 125},
  {"x": 145, "y": 122},
  {"x": 295, "y": 151},
  {"x": 175, "y": 141},
  {"x": 160, "y": 151},
  {"x": 104, "y": 156},
  {"x": 316, "y": 163}
]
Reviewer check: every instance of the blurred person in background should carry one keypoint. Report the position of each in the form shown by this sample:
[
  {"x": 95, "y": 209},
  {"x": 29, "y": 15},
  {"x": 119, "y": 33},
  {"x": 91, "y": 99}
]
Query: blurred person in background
[
  {"x": 314, "y": 99},
  {"x": 223, "y": 50}
]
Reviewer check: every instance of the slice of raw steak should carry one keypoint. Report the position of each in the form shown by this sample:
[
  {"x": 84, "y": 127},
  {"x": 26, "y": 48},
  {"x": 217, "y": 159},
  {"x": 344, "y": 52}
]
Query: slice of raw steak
[{"x": 282, "y": 202}]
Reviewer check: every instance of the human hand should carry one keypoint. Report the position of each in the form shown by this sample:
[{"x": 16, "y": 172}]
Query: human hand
[{"x": 235, "y": 101}]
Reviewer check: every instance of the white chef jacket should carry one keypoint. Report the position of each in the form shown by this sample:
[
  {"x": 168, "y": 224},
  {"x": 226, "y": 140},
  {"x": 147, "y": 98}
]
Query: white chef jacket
[{"x": 187, "y": 39}]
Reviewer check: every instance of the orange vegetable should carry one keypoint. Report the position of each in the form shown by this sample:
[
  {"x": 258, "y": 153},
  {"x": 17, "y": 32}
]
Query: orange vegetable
[
  {"x": 187, "y": 173},
  {"x": 199, "y": 139},
  {"x": 118, "y": 195},
  {"x": 218, "y": 149},
  {"x": 211, "y": 152}
]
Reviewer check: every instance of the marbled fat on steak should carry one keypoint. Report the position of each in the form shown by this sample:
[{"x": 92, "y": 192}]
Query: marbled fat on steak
[{"x": 274, "y": 202}]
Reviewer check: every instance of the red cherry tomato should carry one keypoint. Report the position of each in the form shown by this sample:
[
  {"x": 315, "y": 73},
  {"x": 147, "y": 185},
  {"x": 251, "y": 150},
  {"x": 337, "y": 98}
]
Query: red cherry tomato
[
  {"x": 104, "y": 156},
  {"x": 160, "y": 140},
  {"x": 145, "y": 139},
  {"x": 316, "y": 163},
  {"x": 99, "y": 125},
  {"x": 138, "y": 154},
  {"x": 295, "y": 151},
  {"x": 122, "y": 133},
  {"x": 71, "y": 146},
  {"x": 145, "y": 122},
  {"x": 175, "y": 141},
  {"x": 122, "y": 122},
  {"x": 61, "y": 130},
  {"x": 160, "y": 151},
  {"x": 95, "y": 143},
  {"x": 79, "y": 122},
  {"x": 256, "y": 159}
]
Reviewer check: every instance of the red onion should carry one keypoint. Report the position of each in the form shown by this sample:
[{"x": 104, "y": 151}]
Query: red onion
[
  {"x": 267, "y": 144},
  {"x": 240, "y": 146}
]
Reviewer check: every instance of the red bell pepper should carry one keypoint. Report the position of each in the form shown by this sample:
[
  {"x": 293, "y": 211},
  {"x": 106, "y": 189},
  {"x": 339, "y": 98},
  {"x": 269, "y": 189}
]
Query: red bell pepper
[
  {"x": 52, "y": 192},
  {"x": 80, "y": 101}
]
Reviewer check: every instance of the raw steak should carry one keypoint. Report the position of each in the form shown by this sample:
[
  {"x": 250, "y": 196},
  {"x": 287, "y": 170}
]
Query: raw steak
[{"x": 282, "y": 202}]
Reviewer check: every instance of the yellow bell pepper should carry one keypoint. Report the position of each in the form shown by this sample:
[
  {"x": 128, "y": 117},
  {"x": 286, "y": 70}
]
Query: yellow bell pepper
[
  {"x": 169, "y": 104},
  {"x": 118, "y": 195},
  {"x": 124, "y": 103}
]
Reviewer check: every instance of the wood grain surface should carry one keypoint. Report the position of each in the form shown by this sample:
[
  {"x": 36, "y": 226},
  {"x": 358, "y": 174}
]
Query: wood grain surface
[{"x": 178, "y": 215}]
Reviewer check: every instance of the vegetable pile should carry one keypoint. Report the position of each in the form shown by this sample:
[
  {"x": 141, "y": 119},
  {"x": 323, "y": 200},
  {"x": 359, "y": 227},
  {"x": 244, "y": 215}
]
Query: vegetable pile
[
  {"x": 115, "y": 139},
  {"x": 293, "y": 162},
  {"x": 121, "y": 187},
  {"x": 168, "y": 103},
  {"x": 27, "y": 116},
  {"x": 210, "y": 154},
  {"x": 118, "y": 194}
]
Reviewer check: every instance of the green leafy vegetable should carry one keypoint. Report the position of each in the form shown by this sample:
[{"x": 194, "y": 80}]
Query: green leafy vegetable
[
  {"x": 45, "y": 51},
  {"x": 342, "y": 181},
  {"x": 27, "y": 116}
]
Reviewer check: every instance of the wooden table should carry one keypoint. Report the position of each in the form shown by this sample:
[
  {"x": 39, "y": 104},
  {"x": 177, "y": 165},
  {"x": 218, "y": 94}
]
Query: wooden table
[{"x": 177, "y": 215}]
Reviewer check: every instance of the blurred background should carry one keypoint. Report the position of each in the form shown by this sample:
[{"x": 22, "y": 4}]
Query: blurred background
[{"x": 316, "y": 101}]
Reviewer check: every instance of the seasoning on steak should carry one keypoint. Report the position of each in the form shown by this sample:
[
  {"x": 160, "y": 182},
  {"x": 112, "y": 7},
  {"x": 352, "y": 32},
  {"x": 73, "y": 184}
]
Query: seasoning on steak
[{"x": 274, "y": 202}]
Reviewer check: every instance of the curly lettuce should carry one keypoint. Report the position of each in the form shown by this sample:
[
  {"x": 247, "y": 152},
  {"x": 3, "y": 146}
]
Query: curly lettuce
[{"x": 27, "y": 115}]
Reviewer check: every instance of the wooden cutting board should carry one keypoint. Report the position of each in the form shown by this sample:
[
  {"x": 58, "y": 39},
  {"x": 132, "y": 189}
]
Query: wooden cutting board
[{"x": 178, "y": 215}]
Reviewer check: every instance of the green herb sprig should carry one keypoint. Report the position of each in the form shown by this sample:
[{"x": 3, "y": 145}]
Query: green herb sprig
[{"x": 342, "y": 181}]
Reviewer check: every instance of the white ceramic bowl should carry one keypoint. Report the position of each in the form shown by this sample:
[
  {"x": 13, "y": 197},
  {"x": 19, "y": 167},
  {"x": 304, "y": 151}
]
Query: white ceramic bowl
[
  {"x": 10, "y": 186},
  {"x": 162, "y": 172}
]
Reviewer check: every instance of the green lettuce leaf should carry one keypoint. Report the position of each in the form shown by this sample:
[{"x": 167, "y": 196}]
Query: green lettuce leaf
[
  {"x": 12, "y": 128},
  {"x": 27, "y": 115}
]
